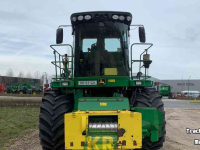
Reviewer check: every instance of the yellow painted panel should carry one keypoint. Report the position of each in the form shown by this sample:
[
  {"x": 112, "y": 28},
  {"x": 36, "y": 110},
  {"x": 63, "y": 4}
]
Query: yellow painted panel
[
  {"x": 73, "y": 131},
  {"x": 84, "y": 123},
  {"x": 132, "y": 123},
  {"x": 111, "y": 80},
  {"x": 77, "y": 122},
  {"x": 103, "y": 104},
  {"x": 110, "y": 71}
]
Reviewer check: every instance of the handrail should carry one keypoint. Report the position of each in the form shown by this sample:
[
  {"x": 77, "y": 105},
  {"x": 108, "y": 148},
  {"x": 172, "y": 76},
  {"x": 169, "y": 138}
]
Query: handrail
[
  {"x": 140, "y": 55},
  {"x": 60, "y": 56}
]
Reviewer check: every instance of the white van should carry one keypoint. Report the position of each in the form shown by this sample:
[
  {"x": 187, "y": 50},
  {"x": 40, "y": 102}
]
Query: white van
[{"x": 193, "y": 94}]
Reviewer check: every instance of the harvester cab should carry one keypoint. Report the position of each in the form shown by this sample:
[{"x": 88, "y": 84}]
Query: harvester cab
[{"x": 96, "y": 102}]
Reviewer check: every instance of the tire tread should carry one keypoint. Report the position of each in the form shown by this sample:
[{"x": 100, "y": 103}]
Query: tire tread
[
  {"x": 51, "y": 124},
  {"x": 149, "y": 97}
]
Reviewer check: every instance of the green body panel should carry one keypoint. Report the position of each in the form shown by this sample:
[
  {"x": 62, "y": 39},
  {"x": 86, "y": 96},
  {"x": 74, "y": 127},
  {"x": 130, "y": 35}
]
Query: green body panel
[
  {"x": 58, "y": 84},
  {"x": 152, "y": 120},
  {"x": 78, "y": 94},
  {"x": 103, "y": 103},
  {"x": 165, "y": 90},
  {"x": 145, "y": 83},
  {"x": 120, "y": 81}
]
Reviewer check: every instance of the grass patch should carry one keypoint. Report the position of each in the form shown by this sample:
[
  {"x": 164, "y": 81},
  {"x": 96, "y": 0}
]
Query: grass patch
[
  {"x": 186, "y": 98},
  {"x": 15, "y": 121},
  {"x": 195, "y": 103}
]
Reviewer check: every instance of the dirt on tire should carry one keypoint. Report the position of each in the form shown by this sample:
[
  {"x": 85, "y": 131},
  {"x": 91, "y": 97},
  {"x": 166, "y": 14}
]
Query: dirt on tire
[{"x": 176, "y": 138}]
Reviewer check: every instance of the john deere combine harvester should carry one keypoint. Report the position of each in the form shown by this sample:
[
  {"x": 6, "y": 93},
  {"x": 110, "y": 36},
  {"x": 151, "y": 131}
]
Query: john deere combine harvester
[
  {"x": 95, "y": 101},
  {"x": 164, "y": 89}
]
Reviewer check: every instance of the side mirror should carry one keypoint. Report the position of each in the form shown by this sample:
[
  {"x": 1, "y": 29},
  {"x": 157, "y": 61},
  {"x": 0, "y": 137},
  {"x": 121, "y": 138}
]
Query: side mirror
[
  {"x": 59, "y": 35},
  {"x": 142, "y": 35}
]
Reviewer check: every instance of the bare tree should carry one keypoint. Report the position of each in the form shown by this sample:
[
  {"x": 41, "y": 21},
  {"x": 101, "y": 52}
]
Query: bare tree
[
  {"x": 20, "y": 77},
  {"x": 42, "y": 80},
  {"x": 28, "y": 76},
  {"x": 37, "y": 75},
  {"x": 10, "y": 75},
  {"x": 21, "y": 74}
]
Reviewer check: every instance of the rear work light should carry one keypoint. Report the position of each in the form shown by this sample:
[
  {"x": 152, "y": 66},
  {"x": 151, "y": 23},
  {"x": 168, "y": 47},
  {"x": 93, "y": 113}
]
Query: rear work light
[
  {"x": 65, "y": 84},
  {"x": 138, "y": 83}
]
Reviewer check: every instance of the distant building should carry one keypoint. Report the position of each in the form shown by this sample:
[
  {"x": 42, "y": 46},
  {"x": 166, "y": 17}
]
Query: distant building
[
  {"x": 183, "y": 85},
  {"x": 179, "y": 85}
]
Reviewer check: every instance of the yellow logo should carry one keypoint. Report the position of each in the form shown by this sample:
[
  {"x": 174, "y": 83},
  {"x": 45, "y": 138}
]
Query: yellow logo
[
  {"x": 102, "y": 81},
  {"x": 107, "y": 143}
]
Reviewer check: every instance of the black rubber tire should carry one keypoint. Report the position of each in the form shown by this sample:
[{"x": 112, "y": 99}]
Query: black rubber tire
[
  {"x": 51, "y": 119},
  {"x": 149, "y": 97},
  {"x": 170, "y": 96}
]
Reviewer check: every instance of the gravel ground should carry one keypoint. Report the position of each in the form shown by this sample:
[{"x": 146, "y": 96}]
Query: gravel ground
[
  {"x": 173, "y": 103},
  {"x": 176, "y": 139},
  {"x": 177, "y": 122}
]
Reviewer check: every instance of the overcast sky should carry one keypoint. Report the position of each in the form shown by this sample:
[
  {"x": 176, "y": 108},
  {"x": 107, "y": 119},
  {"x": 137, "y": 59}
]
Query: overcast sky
[{"x": 28, "y": 27}]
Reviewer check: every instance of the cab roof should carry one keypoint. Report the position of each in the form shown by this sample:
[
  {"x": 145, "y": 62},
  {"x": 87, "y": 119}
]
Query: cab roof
[{"x": 99, "y": 15}]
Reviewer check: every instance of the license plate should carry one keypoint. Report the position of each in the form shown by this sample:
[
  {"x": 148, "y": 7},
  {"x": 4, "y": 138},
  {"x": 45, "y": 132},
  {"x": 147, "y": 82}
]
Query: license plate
[{"x": 87, "y": 82}]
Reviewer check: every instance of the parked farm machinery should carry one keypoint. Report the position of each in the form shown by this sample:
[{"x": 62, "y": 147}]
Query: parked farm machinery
[{"x": 23, "y": 88}]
